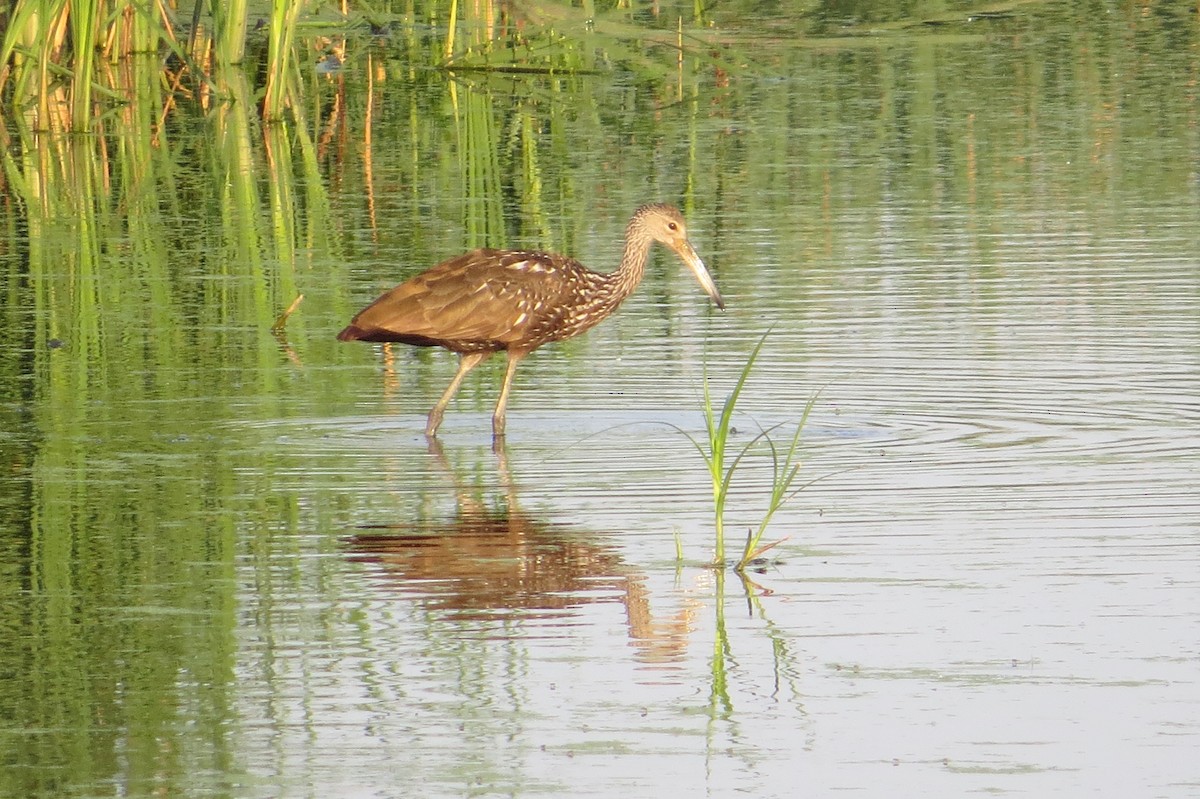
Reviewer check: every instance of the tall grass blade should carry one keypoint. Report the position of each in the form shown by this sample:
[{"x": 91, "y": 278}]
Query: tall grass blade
[
  {"x": 785, "y": 465},
  {"x": 85, "y": 41},
  {"x": 718, "y": 428},
  {"x": 451, "y": 27},
  {"x": 280, "y": 53},
  {"x": 784, "y": 470},
  {"x": 229, "y": 36},
  {"x": 783, "y": 473}
]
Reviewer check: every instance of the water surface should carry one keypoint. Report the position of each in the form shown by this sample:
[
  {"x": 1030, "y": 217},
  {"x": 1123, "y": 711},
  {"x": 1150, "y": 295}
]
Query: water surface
[{"x": 235, "y": 567}]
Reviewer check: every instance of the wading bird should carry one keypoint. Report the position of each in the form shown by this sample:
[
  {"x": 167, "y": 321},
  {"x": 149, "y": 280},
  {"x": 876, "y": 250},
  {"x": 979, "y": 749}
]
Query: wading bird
[{"x": 488, "y": 301}]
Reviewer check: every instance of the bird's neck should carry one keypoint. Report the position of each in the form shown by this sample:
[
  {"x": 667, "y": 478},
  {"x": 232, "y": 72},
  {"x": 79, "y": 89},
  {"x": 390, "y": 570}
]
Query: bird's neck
[
  {"x": 600, "y": 293},
  {"x": 621, "y": 282}
]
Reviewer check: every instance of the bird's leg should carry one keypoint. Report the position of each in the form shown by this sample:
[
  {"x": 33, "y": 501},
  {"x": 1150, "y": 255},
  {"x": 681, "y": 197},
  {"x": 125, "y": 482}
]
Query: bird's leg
[
  {"x": 514, "y": 357},
  {"x": 466, "y": 362}
]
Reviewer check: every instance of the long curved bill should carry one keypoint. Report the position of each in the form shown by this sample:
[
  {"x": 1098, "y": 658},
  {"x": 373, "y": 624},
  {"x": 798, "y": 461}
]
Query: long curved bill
[{"x": 689, "y": 257}]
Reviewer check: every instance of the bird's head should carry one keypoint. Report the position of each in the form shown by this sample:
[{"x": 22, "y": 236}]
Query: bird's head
[{"x": 664, "y": 224}]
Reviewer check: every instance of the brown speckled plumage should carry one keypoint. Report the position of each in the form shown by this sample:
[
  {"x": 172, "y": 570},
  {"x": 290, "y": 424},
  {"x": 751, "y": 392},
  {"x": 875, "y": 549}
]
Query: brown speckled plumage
[{"x": 487, "y": 300}]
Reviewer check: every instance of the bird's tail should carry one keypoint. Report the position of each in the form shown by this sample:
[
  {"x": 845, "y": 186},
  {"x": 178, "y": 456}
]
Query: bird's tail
[{"x": 352, "y": 333}]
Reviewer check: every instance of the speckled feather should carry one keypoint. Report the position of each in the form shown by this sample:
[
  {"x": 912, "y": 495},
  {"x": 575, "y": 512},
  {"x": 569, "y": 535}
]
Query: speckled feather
[{"x": 487, "y": 300}]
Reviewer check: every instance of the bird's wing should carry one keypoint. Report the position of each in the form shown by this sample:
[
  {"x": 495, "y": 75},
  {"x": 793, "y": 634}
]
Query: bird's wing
[{"x": 491, "y": 298}]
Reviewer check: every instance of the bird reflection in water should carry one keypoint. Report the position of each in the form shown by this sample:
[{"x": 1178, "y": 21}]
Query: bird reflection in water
[{"x": 493, "y": 561}]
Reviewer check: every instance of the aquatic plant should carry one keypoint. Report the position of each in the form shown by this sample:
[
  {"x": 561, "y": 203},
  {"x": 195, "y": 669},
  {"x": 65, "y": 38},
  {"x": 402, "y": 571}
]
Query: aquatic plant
[
  {"x": 785, "y": 465},
  {"x": 281, "y": 48},
  {"x": 58, "y": 58}
]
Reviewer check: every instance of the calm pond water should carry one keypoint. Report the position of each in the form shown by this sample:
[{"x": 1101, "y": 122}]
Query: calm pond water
[{"x": 233, "y": 566}]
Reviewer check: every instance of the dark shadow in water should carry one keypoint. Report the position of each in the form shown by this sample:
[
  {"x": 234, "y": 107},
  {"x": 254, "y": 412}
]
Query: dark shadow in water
[{"x": 492, "y": 560}]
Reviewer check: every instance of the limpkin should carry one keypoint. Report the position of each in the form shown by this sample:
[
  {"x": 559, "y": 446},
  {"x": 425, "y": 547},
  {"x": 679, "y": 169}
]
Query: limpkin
[{"x": 487, "y": 301}]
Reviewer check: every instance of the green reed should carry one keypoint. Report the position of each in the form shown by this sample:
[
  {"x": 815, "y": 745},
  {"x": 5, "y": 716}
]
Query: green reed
[
  {"x": 84, "y": 30},
  {"x": 57, "y": 56},
  {"x": 229, "y": 31},
  {"x": 785, "y": 464},
  {"x": 281, "y": 47},
  {"x": 59, "y": 59}
]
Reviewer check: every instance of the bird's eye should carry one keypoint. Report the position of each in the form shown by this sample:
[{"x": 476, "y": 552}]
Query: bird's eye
[{"x": 672, "y": 226}]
